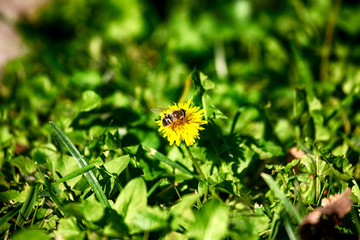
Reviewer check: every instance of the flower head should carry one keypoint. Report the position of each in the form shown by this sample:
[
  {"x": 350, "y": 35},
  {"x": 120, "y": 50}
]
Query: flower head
[{"x": 185, "y": 127}]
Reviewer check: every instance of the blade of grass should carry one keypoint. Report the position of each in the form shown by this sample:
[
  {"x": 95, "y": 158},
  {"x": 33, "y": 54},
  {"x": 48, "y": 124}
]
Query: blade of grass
[
  {"x": 79, "y": 171},
  {"x": 53, "y": 196},
  {"x": 317, "y": 179},
  {"x": 9, "y": 215},
  {"x": 154, "y": 187},
  {"x": 329, "y": 33},
  {"x": 51, "y": 191},
  {"x": 303, "y": 70},
  {"x": 94, "y": 183},
  {"x": 287, "y": 204},
  {"x": 275, "y": 222},
  {"x": 290, "y": 229},
  {"x": 27, "y": 206},
  {"x": 236, "y": 118},
  {"x": 161, "y": 157},
  {"x": 355, "y": 217}
]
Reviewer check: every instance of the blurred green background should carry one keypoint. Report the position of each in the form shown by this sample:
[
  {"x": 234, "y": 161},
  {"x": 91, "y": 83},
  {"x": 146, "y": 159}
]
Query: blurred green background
[
  {"x": 138, "y": 54},
  {"x": 284, "y": 72}
]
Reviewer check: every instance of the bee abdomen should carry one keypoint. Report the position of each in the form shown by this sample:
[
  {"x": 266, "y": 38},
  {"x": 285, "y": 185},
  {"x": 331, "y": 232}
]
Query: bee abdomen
[
  {"x": 183, "y": 112},
  {"x": 167, "y": 120}
]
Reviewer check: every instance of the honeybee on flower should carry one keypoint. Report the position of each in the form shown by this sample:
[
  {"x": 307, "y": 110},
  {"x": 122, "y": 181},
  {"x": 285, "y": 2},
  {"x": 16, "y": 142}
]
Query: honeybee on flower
[{"x": 181, "y": 122}]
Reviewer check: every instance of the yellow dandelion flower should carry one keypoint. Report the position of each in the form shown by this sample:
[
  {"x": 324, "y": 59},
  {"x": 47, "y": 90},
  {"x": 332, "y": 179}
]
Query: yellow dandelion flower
[{"x": 181, "y": 122}]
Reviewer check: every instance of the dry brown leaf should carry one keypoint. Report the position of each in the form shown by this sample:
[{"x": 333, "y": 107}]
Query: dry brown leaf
[
  {"x": 339, "y": 205},
  {"x": 296, "y": 153},
  {"x": 334, "y": 208}
]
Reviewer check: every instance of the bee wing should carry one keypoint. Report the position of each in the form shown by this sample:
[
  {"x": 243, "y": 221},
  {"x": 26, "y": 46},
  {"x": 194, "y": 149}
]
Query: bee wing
[{"x": 158, "y": 110}]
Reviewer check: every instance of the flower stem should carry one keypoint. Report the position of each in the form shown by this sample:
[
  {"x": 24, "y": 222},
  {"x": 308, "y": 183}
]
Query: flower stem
[
  {"x": 146, "y": 236},
  {"x": 194, "y": 162}
]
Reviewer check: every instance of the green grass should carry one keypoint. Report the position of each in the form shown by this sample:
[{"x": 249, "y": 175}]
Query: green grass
[
  {"x": 90, "y": 177},
  {"x": 80, "y": 152}
]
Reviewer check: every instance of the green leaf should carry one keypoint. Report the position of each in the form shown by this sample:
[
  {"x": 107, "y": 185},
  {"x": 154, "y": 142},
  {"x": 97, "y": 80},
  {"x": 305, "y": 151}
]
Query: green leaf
[
  {"x": 31, "y": 234},
  {"x": 82, "y": 163},
  {"x": 5, "y": 134},
  {"x": 150, "y": 219},
  {"x": 339, "y": 165},
  {"x": 300, "y": 105},
  {"x": 322, "y": 133},
  {"x": 210, "y": 222},
  {"x": 9, "y": 195},
  {"x": 89, "y": 101},
  {"x": 115, "y": 227},
  {"x": 201, "y": 80},
  {"x": 146, "y": 137},
  {"x": 290, "y": 165},
  {"x": 39, "y": 157},
  {"x": 267, "y": 149},
  {"x": 117, "y": 165},
  {"x": 248, "y": 227},
  {"x": 307, "y": 164},
  {"x": 111, "y": 142},
  {"x": 25, "y": 164},
  {"x": 213, "y": 112},
  {"x": 202, "y": 84},
  {"x": 87, "y": 209},
  {"x": 131, "y": 200},
  {"x": 46, "y": 154},
  {"x": 182, "y": 211},
  {"x": 63, "y": 165},
  {"x": 308, "y": 129},
  {"x": 186, "y": 202},
  {"x": 308, "y": 191},
  {"x": 68, "y": 229},
  {"x": 355, "y": 190},
  {"x": 347, "y": 176},
  {"x": 223, "y": 185},
  {"x": 27, "y": 206},
  {"x": 132, "y": 149},
  {"x": 86, "y": 79},
  {"x": 203, "y": 186},
  {"x": 24, "y": 194}
]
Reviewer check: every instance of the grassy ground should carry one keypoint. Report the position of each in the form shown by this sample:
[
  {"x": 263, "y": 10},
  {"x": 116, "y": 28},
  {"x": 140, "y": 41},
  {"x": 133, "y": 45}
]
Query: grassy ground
[{"x": 81, "y": 154}]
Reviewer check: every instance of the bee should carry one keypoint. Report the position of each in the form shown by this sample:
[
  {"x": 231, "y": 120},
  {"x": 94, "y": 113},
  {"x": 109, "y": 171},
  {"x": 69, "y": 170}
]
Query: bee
[{"x": 173, "y": 116}]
